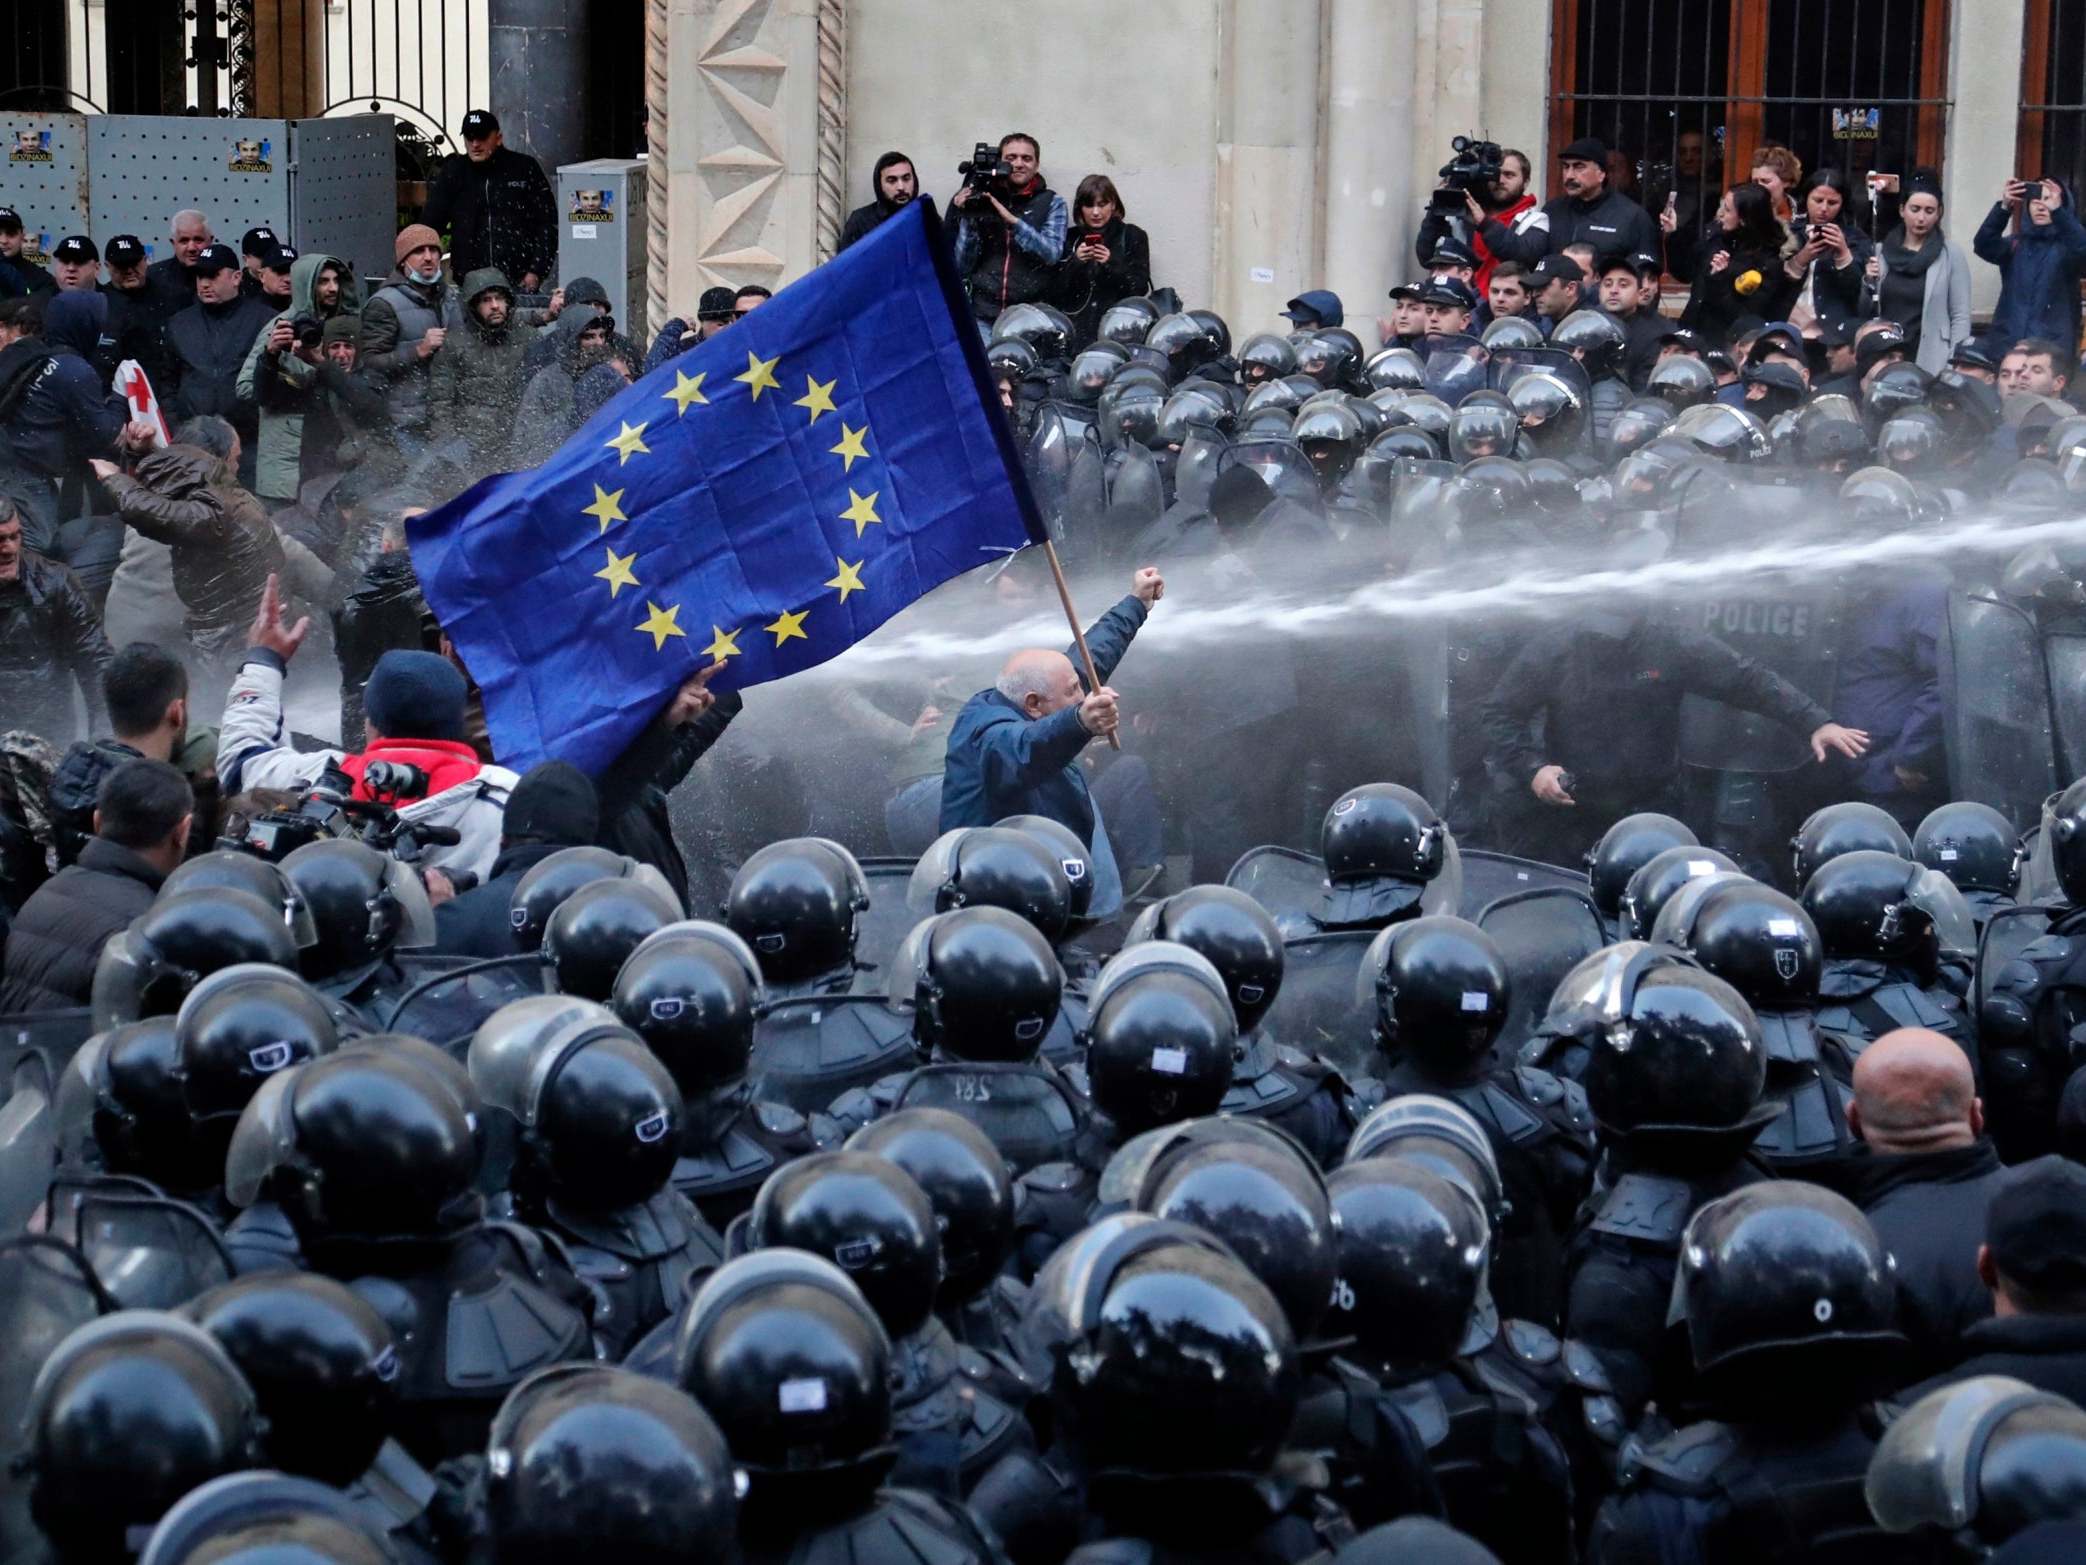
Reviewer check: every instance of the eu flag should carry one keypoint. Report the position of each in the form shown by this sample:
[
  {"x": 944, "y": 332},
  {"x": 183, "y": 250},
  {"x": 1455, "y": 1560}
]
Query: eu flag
[{"x": 765, "y": 500}]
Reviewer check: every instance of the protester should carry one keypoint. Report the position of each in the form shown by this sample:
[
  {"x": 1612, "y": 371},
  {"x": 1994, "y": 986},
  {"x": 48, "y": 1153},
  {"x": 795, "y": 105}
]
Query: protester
[
  {"x": 51, "y": 639},
  {"x": 496, "y": 206},
  {"x": 1587, "y": 211},
  {"x": 2040, "y": 262},
  {"x": 2033, "y": 367},
  {"x": 145, "y": 692},
  {"x": 1743, "y": 275},
  {"x": 282, "y": 370},
  {"x": 476, "y": 386},
  {"x": 209, "y": 342},
  {"x": 404, "y": 324}
]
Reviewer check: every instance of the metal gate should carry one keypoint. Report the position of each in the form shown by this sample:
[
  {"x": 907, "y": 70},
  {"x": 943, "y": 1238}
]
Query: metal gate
[{"x": 2052, "y": 139}]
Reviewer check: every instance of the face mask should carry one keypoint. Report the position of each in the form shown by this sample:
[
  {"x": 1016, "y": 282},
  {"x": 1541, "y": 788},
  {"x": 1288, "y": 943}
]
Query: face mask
[{"x": 425, "y": 277}]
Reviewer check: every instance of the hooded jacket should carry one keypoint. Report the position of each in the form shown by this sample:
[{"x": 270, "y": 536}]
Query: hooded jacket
[
  {"x": 2039, "y": 270},
  {"x": 65, "y": 414},
  {"x": 864, "y": 219},
  {"x": 225, "y": 548},
  {"x": 546, "y": 417},
  {"x": 209, "y": 343},
  {"x": 277, "y": 466},
  {"x": 476, "y": 388}
]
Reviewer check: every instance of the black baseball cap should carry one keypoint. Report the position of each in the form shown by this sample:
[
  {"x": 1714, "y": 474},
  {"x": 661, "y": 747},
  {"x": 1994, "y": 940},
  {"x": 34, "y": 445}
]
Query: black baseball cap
[
  {"x": 258, "y": 242},
  {"x": 1559, "y": 268},
  {"x": 1686, "y": 336},
  {"x": 125, "y": 250},
  {"x": 281, "y": 259},
  {"x": 1830, "y": 334},
  {"x": 1616, "y": 261},
  {"x": 1587, "y": 149},
  {"x": 75, "y": 248},
  {"x": 1452, "y": 291},
  {"x": 715, "y": 305},
  {"x": 1889, "y": 338},
  {"x": 2036, "y": 1226},
  {"x": 1776, "y": 337},
  {"x": 215, "y": 259},
  {"x": 480, "y": 122},
  {"x": 1781, "y": 377},
  {"x": 1451, "y": 252},
  {"x": 1409, "y": 290},
  {"x": 10, "y": 220},
  {"x": 1974, "y": 355}
]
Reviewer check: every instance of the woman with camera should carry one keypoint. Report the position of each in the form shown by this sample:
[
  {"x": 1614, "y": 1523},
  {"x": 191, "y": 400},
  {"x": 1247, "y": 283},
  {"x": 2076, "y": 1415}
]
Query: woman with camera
[
  {"x": 1920, "y": 280},
  {"x": 1106, "y": 257},
  {"x": 2039, "y": 263},
  {"x": 1743, "y": 275}
]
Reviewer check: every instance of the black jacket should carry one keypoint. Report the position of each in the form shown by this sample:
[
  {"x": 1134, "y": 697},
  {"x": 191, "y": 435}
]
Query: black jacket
[
  {"x": 1929, "y": 1210},
  {"x": 476, "y": 924},
  {"x": 863, "y": 221},
  {"x": 57, "y": 938},
  {"x": 1752, "y": 283},
  {"x": 498, "y": 213},
  {"x": 1613, "y": 225},
  {"x": 209, "y": 343},
  {"x": 2047, "y": 1351},
  {"x": 1083, "y": 289},
  {"x": 50, "y": 637},
  {"x": 634, "y": 820}
]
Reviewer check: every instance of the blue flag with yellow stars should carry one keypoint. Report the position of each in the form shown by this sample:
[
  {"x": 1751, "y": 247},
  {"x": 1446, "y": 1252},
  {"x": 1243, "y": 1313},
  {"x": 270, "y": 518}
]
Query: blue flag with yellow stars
[{"x": 764, "y": 501}]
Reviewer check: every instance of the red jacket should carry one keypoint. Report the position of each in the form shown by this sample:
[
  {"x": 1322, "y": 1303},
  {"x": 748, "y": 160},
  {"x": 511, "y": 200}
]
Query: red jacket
[
  {"x": 446, "y": 762},
  {"x": 1482, "y": 281}
]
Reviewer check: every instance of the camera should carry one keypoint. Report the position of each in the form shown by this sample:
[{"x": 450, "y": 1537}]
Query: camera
[
  {"x": 985, "y": 169},
  {"x": 307, "y": 330},
  {"x": 393, "y": 782},
  {"x": 1471, "y": 171},
  {"x": 329, "y": 809},
  {"x": 323, "y": 812}
]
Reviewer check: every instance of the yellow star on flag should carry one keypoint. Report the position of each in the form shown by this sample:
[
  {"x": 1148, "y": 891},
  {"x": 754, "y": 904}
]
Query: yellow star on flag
[
  {"x": 861, "y": 510},
  {"x": 617, "y": 572},
  {"x": 850, "y": 446},
  {"x": 661, "y": 623},
  {"x": 760, "y": 374},
  {"x": 818, "y": 399},
  {"x": 850, "y": 577},
  {"x": 605, "y": 508},
  {"x": 628, "y": 441},
  {"x": 723, "y": 644},
  {"x": 687, "y": 389},
  {"x": 787, "y": 626}
]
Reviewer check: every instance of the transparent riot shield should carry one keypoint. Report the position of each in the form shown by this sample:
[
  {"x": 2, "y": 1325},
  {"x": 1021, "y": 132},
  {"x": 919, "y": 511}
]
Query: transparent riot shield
[
  {"x": 1456, "y": 366},
  {"x": 1196, "y": 469},
  {"x": 2007, "y": 933},
  {"x": 47, "y": 1292},
  {"x": 149, "y": 1252},
  {"x": 1792, "y": 627},
  {"x": 1280, "y": 464},
  {"x": 1510, "y": 364},
  {"x": 1136, "y": 489},
  {"x": 1285, "y": 881},
  {"x": 445, "y": 999},
  {"x": 1421, "y": 653},
  {"x": 1488, "y": 876},
  {"x": 2065, "y": 659},
  {"x": 35, "y": 1048},
  {"x": 882, "y": 927},
  {"x": 1543, "y": 932},
  {"x": 1316, "y": 1009},
  {"x": 1049, "y": 463},
  {"x": 1996, "y": 708}
]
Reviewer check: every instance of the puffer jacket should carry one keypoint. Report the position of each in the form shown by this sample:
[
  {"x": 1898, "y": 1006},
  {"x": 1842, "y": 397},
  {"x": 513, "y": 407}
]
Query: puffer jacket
[
  {"x": 50, "y": 638},
  {"x": 476, "y": 387},
  {"x": 225, "y": 548},
  {"x": 394, "y": 320},
  {"x": 277, "y": 469},
  {"x": 56, "y": 941},
  {"x": 2039, "y": 269}
]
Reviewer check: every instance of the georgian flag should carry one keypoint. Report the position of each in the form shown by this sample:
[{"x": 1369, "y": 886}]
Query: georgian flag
[{"x": 132, "y": 386}]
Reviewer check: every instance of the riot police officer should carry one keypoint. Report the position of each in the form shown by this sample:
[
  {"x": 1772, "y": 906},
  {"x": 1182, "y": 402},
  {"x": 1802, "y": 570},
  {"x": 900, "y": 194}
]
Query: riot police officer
[
  {"x": 596, "y": 1123},
  {"x": 120, "y": 1110},
  {"x": 1790, "y": 1305},
  {"x": 1622, "y": 850},
  {"x": 692, "y": 991},
  {"x": 1388, "y": 856},
  {"x": 784, "y": 1352},
  {"x": 983, "y": 988},
  {"x": 236, "y": 1029},
  {"x": 798, "y": 904},
  {"x": 1296, "y": 1090},
  {"x": 1437, "y": 989},
  {"x": 595, "y": 930},
  {"x": 250, "y": 1518},
  {"x": 867, "y": 1215},
  {"x": 1977, "y": 848},
  {"x": 149, "y": 968},
  {"x": 1899, "y": 942},
  {"x": 542, "y": 890},
  {"x": 1975, "y": 1462},
  {"x": 1847, "y": 827}
]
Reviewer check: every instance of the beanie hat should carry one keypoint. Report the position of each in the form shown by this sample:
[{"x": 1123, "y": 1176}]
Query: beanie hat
[
  {"x": 554, "y": 802},
  {"x": 340, "y": 328},
  {"x": 411, "y": 238},
  {"x": 415, "y": 695}
]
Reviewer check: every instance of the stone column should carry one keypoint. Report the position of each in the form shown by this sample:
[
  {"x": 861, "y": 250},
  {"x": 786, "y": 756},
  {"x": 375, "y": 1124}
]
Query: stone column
[
  {"x": 1368, "y": 195},
  {"x": 289, "y": 58},
  {"x": 538, "y": 50},
  {"x": 1265, "y": 241},
  {"x": 1984, "y": 82}
]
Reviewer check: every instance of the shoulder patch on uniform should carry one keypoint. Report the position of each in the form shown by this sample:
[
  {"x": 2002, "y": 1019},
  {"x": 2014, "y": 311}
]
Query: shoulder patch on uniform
[
  {"x": 1540, "y": 1086},
  {"x": 1532, "y": 1343},
  {"x": 1053, "y": 1178},
  {"x": 1687, "y": 1460},
  {"x": 1584, "y": 1369},
  {"x": 778, "y": 1119}
]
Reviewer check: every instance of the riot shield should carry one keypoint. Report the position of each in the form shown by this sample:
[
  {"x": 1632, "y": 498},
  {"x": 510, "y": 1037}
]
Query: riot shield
[
  {"x": 882, "y": 927},
  {"x": 2065, "y": 659},
  {"x": 1288, "y": 883},
  {"x": 47, "y": 1292},
  {"x": 1793, "y": 628},
  {"x": 1280, "y": 464},
  {"x": 34, "y": 1051},
  {"x": 1996, "y": 707},
  {"x": 445, "y": 999},
  {"x": 150, "y": 1252},
  {"x": 1456, "y": 366},
  {"x": 1196, "y": 469},
  {"x": 809, "y": 1049},
  {"x": 1488, "y": 876},
  {"x": 1136, "y": 489},
  {"x": 1049, "y": 464},
  {"x": 1422, "y": 653},
  {"x": 1542, "y": 931},
  {"x": 1316, "y": 1010},
  {"x": 1510, "y": 364},
  {"x": 2007, "y": 933}
]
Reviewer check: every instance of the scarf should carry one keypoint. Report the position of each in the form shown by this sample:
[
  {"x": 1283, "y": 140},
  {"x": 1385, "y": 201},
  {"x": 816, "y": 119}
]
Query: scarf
[{"x": 1912, "y": 263}]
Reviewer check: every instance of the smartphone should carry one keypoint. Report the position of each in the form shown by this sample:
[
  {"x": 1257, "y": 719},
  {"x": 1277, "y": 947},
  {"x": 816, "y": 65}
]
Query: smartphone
[
  {"x": 1672, "y": 200},
  {"x": 1092, "y": 238},
  {"x": 2032, "y": 190}
]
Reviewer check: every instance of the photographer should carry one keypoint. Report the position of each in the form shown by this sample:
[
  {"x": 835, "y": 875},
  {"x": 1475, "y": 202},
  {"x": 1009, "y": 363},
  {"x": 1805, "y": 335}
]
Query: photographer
[
  {"x": 282, "y": 369},
  {"x": 1506, "y": 200},
  {"x": 2039, "y": 263},
  {"x": 1106, "y": 258},
  {"x": 414, "y": 703},
  {"x": 1007, "y": 254}
]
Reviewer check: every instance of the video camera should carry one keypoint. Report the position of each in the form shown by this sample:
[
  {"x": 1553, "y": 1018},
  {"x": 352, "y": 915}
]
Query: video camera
[
  {"x": 985, "y": 169},
  {"x": 330, "y": 810},
  {"x": 1471, "y": 171}
]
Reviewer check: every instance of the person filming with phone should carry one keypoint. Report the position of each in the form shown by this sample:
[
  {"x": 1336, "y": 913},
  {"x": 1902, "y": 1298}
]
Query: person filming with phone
[
  {"x": 2040, "y": 261},
  {"x": 1106, "y": 257},
  {"x": 1831, "y": 252}
]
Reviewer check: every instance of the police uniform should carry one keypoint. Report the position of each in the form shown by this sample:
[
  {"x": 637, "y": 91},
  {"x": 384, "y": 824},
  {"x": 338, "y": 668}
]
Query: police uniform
[{"x": 721, "y": 1174}]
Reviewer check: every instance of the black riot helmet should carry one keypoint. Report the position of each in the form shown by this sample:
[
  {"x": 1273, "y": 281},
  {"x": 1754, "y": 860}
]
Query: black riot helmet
[
  {"x": 1912, "y": 441},
  {"x": 1494, "y": 486},
  {"x": 994, "y": 866},
  {"x": 1010, "y": 358},
  {"x": 1161, "y": 1037},
  {"x": 1979, "y": 1460},
  {"x": 1180, "y": 1363},
  {"x": 1230, "y": 931},
  {"x": 1091, "y": 368},
  {"x": 364, "y": 904},
  {"x": 867, "y": 1216},
  {"x": 692, "y": 991},
  {"x": 1626, "y": 847},
  {"x": 365, "y": 1142},
  {"x": 1395, "y": 369},
  {"x": 267, "y": 1518},
  {"x": 798, "y": 904},
  {"x": 1757, "y": 940},
  {"x": 784, "y": 1352},
  {"x": 1331, "y": 436},
  {"x": 598, "y": 1113},
  {"x": 1404, "y": 441},
  {"x": 1249, "y": 1184},
  {"x": 122, "y": 1091},
  {"x": 1414, "y": 1252},
  {"x": 594, "y": 931},
  {"x": 1552, "y": 414},
  {"x": 1681, "y": 381},
  {"x": 981, "y": 983},
  {"x": 1127, "y": 320},
  {"x": 1482, "y": 425},
  {"x": 1789, "y": 1275},
  {"x": 1184, "y": 340},
  {"x": 1383, "y": 846},
  {"x": 1595, "y": 338},
  {"x": 1074, "y": 857},
  {"x": 1847, "y": 827},
  {"x": 1659, "y": 878},
  {"x": 1641, "y": 420},
  {"x": 1043, "y": 327},
  {"x": 1730, "y": 434},
  {"x": 2064, "y": 827},
  {"x": 1438, "y": 989},
  {"x": 322, "y": 1363},
  {"x": 966, "y": 1181},
  {"x": 1512, "y": 331},
  {"x": 241, "y": 1025},
  {"x": 1972, "y": 844},
  {"x": 1872, "y": 906},
  {"x": 1675, "y": 1054},
  {"x": 1214, "y": 329},
  {"x": 550, "y": 881},
  {"x": 1439, "y": 1135},
  {"x": 586, "y": 1460},
  {"x": 149, "y": 968},
  {"x": 127, "y": 1415},
  {"x": 1330, "y": 355},
  {"x": 245, "y": 872},
  {"x": 1265, "y": 356},
  {"x": 1894, "y": 388}
]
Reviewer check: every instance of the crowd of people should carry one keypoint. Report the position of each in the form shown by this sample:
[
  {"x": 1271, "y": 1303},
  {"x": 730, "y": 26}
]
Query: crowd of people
[{"x": 1538, "y": 1023}]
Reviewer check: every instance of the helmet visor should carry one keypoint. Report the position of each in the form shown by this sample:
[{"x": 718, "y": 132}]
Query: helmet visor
[
  {"x": 125, "y": 973},
  {"x": 264, "y": 1140},
  {"x": 1955, "y": 927},
  {"x": 1156, "y": 956},
  {"x": 416, "y": 914},
  {"x": 1921, "y": 1473}
]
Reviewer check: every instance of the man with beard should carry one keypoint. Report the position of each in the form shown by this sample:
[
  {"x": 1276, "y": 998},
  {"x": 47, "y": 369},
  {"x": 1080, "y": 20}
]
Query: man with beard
[{"x": 896, "y": 185}]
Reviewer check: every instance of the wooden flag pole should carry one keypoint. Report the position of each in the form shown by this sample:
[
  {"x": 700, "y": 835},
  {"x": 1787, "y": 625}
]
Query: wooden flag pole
[{"x": 1064, "y": 596}]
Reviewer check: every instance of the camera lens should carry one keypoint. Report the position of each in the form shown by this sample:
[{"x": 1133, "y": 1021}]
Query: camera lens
[{"x": 1459, "y": 143}]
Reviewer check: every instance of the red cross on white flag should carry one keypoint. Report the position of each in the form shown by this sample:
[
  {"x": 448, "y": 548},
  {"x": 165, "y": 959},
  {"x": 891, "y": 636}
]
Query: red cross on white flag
[{"x": 134, "y": 388}]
